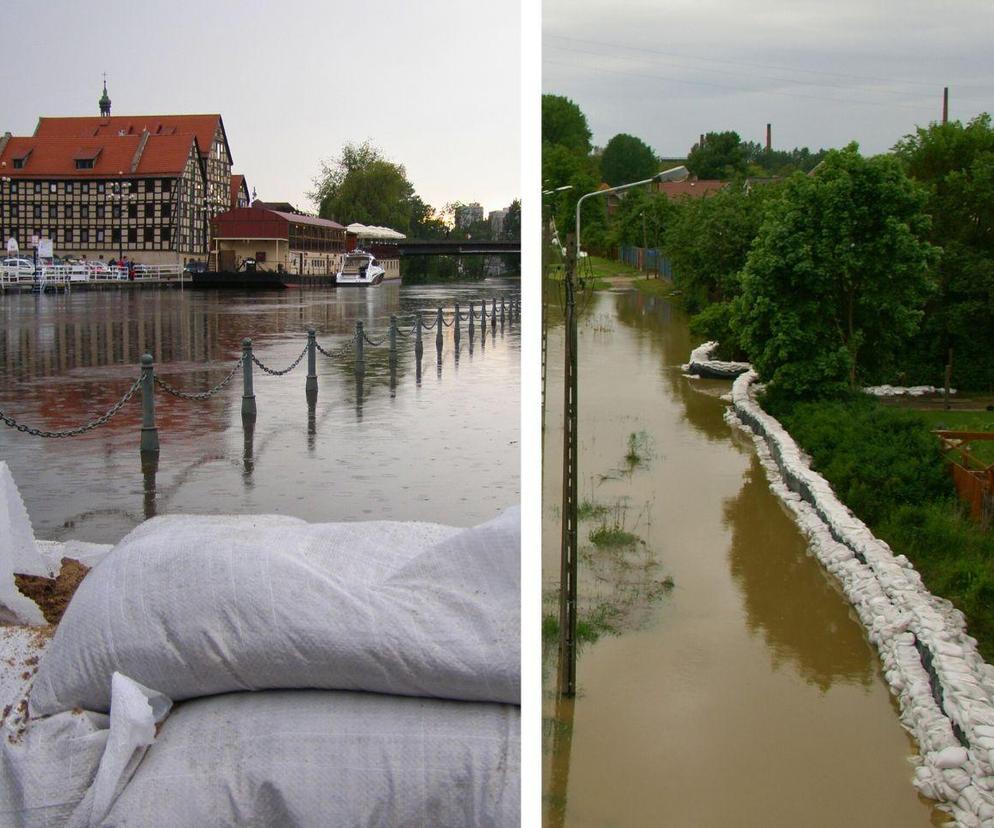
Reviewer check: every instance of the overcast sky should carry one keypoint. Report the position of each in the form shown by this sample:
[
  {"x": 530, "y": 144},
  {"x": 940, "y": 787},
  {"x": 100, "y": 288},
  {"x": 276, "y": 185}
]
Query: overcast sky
[
  {"x": 823, "y": 73},
  {"x": 434, "y": 83}
]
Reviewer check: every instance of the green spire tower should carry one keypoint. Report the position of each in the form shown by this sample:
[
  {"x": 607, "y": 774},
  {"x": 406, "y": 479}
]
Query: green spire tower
[{"x": 105, "y": 100}]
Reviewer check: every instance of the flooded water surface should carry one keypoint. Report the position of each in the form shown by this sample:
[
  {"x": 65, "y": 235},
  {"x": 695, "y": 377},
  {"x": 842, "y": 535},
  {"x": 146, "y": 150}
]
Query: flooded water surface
[
  {"x": 440, "y": 446},
  {"x": 744, "y": 694}
]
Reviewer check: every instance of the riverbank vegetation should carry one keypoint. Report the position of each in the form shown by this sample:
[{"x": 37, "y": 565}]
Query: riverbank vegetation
[
  {"x": 829, "y": 271},
  {"x": 885, "y": 465}
]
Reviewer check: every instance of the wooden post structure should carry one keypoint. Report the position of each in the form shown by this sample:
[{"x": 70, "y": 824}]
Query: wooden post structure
[
  {"x": 150, "y": 434},
  {"x": 568, "y": 559},
  {"x": 248, "y": 391}
]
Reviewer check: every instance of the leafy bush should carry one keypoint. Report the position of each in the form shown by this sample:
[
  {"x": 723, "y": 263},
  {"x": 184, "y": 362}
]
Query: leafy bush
[
  {"x": 877, "y": 458},
  {"x": 955, "y": 559}
]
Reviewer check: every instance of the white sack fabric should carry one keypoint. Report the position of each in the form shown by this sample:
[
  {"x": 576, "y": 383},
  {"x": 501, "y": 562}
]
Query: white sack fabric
[
  {"x": 18, "y": 553},
  {"x": 306, "y": 758},
  {"x": 193, "y": 606}
]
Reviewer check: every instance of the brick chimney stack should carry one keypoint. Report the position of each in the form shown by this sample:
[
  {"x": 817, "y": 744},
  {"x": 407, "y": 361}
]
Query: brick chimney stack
[{"x": 769, "y": 137}]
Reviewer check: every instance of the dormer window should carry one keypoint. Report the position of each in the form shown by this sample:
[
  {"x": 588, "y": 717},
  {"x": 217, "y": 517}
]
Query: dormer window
[
  {"x": 19, "y": 163},
  {"x": 86, "y": 157}
]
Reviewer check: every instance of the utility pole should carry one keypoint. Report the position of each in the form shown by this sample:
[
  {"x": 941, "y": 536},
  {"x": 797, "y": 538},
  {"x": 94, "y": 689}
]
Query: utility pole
[{"x": 568, "y": 562}]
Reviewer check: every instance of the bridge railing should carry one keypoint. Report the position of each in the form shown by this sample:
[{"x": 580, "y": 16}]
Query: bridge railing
[{"x": 508, "y": 312}]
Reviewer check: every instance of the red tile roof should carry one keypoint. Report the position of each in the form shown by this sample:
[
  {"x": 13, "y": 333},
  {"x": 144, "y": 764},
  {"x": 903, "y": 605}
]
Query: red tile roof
[
  {"x": 689, "y": 188},
  {"x": 237, "y": 182},
  {"x": 95, "y": 126},
  {"x": 112, "y": 156}
]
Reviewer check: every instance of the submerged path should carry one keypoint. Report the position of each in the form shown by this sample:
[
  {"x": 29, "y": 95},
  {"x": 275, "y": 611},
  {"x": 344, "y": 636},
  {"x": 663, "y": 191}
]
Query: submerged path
[{"x": 748, "y": 695}]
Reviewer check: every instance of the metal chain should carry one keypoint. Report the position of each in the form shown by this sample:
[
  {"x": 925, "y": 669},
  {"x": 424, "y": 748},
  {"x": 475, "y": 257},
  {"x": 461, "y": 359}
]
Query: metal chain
[
  {"x": 414, "y": 326},
  {"x": 35, "y": 432},
  {"x": 348, "y": 346},
  {"x": 276, "y": 373},
  {"x": 371, "y": 342},
  {"x": 428, "y": 327},
  {"x": 450, "y": 323},
  {"x": 203, "y": 395}
]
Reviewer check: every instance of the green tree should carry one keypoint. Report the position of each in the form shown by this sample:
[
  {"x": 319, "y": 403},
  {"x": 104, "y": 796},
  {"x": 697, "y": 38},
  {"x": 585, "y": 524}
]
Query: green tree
[
  {"x": 627, "y": 158},
  {"x": 722, "y": 156},
  {"x": 708, "y": 240},
  {"x": 956, "y": 164},
  {"x": 563, "y": 124},
  {"x": 426, "y": 223},
  {"x": 512, "y": 221},
  {"x": 363, "y": 186},
  {"x": 837, "y": 276}
]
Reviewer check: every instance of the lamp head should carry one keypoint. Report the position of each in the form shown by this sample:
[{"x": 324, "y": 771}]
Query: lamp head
[{"x": 672, "y": 174}]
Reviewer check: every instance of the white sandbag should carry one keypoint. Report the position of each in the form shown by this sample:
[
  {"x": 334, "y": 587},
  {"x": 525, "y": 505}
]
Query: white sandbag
[
  {"x": 18, "y": 553},
  {"x": 47, "y": 766},
  {"x": 297, "y": 759},
  {"x": 134, "y": 713},
  {"x": 193, "y": 606}
]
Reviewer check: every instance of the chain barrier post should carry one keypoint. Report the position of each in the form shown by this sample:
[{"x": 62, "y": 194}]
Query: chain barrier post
[
  {"x": 470, "y": 321},
  {"x": 150, "y": 434},
  {"x": 493, "y": 314},
  {"x": 393, "y": 355},
  {"x": 439, "y": 324},
  {"x": 248, "y": 391},
  {"x": 359, "y": 356},
  {"x": 455, "y": 328},
  {"x": 502, "y": 312},
  {"x": 419, "y": 347},
  {"x": 483, "y": 314},
  {"x": 311, "y": 386},
  {"x": 393, "y": 339}
]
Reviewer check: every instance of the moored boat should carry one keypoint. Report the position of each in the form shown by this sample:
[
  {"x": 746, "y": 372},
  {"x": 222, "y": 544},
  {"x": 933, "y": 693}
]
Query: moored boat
[{"x": 360, "y": 269}]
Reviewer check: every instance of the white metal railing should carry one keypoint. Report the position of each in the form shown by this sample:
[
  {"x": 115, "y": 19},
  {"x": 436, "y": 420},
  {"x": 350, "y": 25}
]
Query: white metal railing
[{"x": 88, "y": 273}]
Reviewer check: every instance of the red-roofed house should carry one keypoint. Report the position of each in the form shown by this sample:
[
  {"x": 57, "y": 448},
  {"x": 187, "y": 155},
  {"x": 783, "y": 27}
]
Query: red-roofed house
[
  {"x": 689, "y": 188},
  {"x": 239, "y": 192},
  {"x": 291, "y": 242},
  {"x": 145, "y": 186}
]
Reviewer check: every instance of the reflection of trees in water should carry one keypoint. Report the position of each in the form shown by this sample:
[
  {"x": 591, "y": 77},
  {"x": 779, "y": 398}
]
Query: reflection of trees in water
[
  {"x": 787, "y": 597},
  {"x": 663, "y": 329}
]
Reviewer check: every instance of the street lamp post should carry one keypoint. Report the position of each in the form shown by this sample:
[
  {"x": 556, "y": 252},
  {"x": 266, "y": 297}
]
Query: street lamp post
[
  {"x": 569, "y": 549},
  {"x": 672, "y": 174}
]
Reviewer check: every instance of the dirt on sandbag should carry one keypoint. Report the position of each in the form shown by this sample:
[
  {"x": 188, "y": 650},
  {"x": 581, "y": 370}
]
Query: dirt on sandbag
[{"x": 52, "y": 595}]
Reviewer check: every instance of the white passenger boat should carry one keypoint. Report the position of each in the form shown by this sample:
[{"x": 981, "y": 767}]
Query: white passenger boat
[{"x": 360, "y": 269}]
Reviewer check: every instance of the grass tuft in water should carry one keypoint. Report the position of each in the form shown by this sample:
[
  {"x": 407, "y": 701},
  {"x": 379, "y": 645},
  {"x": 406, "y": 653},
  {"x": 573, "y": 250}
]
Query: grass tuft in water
[
  {"x": 612, "y": 536},
  {"x": 590, "y": 510},
  {"x": 638, "y": 450}
]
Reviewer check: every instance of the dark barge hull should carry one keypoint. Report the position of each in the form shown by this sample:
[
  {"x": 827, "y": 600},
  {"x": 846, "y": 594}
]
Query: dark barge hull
[{"x": 259, "y": 280}]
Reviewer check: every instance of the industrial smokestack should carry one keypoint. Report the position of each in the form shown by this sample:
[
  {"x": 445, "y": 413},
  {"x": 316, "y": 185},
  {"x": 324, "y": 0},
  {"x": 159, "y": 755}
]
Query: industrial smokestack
[
  {"x": 945, "y": 105},
  {"x": 702, "y": 140},
  {"x": 769, "y": 137}
]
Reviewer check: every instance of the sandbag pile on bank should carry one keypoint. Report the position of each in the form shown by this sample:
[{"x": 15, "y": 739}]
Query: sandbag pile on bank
[
  {"x": 387, "y": 647},
  {"x": 932, "y": 665}
]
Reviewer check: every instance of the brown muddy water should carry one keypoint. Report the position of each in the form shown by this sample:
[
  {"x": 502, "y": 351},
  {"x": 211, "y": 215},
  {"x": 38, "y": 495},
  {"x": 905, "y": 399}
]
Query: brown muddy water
[
  {"x": 441, "y": 446},
  {"x": 746, "y": 694}
]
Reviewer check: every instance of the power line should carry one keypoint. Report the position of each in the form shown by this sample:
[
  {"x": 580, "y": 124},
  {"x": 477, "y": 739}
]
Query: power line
[
  {"x": 629, "y": 73},
  {"x": 780, "y": 68}
]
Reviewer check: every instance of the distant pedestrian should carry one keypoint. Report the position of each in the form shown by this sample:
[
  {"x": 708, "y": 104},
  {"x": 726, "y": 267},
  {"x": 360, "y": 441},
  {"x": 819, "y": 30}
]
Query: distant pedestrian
[{"x": 131, "y": 271}]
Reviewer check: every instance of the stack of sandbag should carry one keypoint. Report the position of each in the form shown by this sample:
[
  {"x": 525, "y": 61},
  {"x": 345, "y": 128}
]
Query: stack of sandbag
[{"x": 384, "y": 659}]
